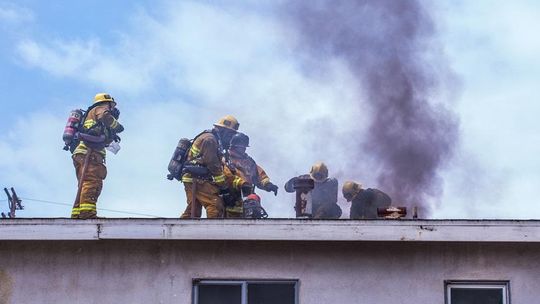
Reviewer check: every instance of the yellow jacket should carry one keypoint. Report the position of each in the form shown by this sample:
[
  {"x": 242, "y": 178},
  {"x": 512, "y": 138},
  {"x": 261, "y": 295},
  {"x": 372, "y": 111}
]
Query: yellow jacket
[
  {"x": 99, "y": 121},
  {"x": 246, "y": 168}
]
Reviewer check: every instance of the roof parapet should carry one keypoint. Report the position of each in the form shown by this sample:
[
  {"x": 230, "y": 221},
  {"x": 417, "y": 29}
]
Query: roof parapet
[{"x": 272, "y": 230}]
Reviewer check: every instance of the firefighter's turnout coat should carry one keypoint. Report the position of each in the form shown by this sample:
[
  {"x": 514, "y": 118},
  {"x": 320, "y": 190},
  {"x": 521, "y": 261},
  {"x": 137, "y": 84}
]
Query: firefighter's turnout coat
[
  {"x": 205, "y": 151},
  {"x": 248, "y": 170},
  {"x": 364, "y": 205},
  {"x": 99, "y": 121},
  {"x": 243, "y": 166},
  {"x": 324, "y": 196}
]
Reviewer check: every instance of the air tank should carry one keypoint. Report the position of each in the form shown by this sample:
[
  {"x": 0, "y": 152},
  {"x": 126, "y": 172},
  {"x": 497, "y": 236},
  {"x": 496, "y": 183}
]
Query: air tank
[{"x": 72, "y": 126}]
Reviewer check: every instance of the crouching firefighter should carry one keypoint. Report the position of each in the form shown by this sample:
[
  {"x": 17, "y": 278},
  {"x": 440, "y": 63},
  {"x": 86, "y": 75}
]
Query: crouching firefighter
[
  {"x": 324, "y": 194},
  {"x": 245, "y": 167},
  {"x": 86, "y": 135},
  {"x": 364, "y": 202},
  {"x": 252, "y": 207},
  {"x": 206, "y": 181}
]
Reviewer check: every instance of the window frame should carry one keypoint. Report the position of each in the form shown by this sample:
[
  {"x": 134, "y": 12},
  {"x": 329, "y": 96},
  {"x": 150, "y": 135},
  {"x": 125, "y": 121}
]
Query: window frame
[
  {"x": 477, "y": 284},
  {"x": 244, "y": 285}
]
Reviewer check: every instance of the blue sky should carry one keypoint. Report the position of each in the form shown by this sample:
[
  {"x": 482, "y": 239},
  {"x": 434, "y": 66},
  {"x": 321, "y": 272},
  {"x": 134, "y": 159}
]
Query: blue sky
[
  {"x": 50, "y": 21},
  {"x": 176, "y": 67}
]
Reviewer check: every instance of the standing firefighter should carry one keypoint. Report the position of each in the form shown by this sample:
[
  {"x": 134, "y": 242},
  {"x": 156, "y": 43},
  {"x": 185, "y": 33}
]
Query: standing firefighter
[
  {"x": 207, "y": 182},
  {"x": 324, "y": 194},
  {"x": 364, "y": 202},
  {"x": 245, "y": 167},
  {"x": 98, "y": 130}
]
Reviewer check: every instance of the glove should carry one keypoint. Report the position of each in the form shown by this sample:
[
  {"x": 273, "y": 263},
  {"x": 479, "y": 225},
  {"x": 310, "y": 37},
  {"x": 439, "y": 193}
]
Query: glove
[
  {"x": 247, "y": 189},
  {"x": 115, "y": 113},
  {"x": 116, "y": 138},
  {"x": 228, "y": 199},
  {"x": 271, "y": 188}
]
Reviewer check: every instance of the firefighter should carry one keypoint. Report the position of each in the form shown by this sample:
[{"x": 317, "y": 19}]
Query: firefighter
[
  {"x": 207, "y": 182},
  {"x": 324, "y": 194},
  {"x": 245, "y": 167},
  {"x": 99, "y": 129},
  {"x": 364, "y": 202}
]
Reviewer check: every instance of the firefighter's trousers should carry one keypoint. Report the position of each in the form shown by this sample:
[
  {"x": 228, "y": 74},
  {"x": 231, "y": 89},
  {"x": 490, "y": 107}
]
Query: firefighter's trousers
[
  {"x": 237, "y": 211},
  {"x": 85, "y": 206},
  {"x": 207, "y": 196}
]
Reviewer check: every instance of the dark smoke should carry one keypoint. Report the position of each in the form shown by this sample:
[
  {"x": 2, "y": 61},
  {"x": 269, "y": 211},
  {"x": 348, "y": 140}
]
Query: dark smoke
[{"x": 391, "y": 47}]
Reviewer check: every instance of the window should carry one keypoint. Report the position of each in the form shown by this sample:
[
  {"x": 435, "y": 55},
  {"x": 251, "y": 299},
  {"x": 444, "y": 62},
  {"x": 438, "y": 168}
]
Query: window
[
  {"x": 245, "y": 292},
  {"x": 477, "y": 292}
]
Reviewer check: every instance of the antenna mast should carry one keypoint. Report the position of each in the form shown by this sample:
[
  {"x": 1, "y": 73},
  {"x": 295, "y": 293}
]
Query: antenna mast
[{"x": 14, "y": 203}]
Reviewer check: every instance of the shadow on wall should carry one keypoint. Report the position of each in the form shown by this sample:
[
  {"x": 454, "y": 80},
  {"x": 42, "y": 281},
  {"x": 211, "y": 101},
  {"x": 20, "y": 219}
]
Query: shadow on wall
[{"x": 6, "y": 287}]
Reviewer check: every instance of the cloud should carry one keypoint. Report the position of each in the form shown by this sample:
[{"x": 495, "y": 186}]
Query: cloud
[
  {"x": 502, "y": 26},
  {"x": 177, "y": 69},
  {"x": 172, "y": 81},
  {"x": 489, "y": 44},
  {"x": 85, "y": 61},
  {"x": 30, "y": 161},
  {"x": 12, "y": 14},
  {"x": 60, "y": 59}
]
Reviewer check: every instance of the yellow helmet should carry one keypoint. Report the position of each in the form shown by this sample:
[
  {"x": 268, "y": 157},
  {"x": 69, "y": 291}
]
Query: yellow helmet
[
  {"x": 350, "y": 190},
  {"x": 319, "y": 172},
  {"x": 228, "y": 122},
  {"x": 103, "y": 97}
]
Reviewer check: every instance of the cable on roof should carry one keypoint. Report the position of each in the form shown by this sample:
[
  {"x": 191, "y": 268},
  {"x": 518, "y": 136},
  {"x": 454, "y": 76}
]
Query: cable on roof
[{"x": 103, "y": 209}]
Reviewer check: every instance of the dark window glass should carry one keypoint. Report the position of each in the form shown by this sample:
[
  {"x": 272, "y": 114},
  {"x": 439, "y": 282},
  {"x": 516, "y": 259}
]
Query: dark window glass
[
  {"x": 271, "y": 293},
  {"x": 476, "y": 296},
  {"x": 220, "y": 294}
]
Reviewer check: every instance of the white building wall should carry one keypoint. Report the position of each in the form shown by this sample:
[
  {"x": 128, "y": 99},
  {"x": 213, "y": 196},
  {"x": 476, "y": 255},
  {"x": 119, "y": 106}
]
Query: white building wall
[{"x": 161, "y": 271}]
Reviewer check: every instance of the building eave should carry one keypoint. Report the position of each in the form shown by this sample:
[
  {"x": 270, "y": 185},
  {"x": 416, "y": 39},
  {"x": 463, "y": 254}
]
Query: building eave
[{"x": 272, "y": 230}]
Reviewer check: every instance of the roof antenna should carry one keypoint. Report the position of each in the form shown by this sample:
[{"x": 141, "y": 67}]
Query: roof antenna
[{"x": 14, "y": 203}]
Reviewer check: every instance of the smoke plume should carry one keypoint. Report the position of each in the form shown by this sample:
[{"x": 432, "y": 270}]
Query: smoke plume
[{"x": 391, "y": 49}]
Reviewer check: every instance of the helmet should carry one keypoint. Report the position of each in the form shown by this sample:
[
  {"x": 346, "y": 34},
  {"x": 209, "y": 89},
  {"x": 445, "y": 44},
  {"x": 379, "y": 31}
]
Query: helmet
[
  {"x": 228, "y": 122},
  {"x": 350, "y": 190},
  {"x": 319, "y": 172},
  {"x": 103, "y": 97},
  {"x": 254, "y": 197},
  {"x": 240, "y": 139}
]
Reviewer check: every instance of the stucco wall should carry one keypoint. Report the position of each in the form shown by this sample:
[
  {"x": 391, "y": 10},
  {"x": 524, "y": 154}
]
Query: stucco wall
[{"x": 109, "y": 271}]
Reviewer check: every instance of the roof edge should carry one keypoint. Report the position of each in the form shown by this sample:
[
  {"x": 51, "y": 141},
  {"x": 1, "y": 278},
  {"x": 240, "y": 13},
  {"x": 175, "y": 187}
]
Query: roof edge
[{"x": 272, "y": 230}]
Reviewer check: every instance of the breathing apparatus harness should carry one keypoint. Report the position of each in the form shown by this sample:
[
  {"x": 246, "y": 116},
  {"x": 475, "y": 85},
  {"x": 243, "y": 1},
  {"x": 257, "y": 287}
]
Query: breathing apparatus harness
[
  {"x": 75, "y": 132},
  {"x": 178, "y": 165},
  {"x": 252, "y": 207}
]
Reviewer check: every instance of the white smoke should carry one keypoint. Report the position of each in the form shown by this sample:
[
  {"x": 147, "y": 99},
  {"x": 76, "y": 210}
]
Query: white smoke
[
  {"x": 174, "y": 77},
  {"x": 181, "y": 66}
]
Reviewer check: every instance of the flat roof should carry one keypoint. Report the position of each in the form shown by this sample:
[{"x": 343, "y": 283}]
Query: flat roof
[{"x": 271, "y": 230}]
